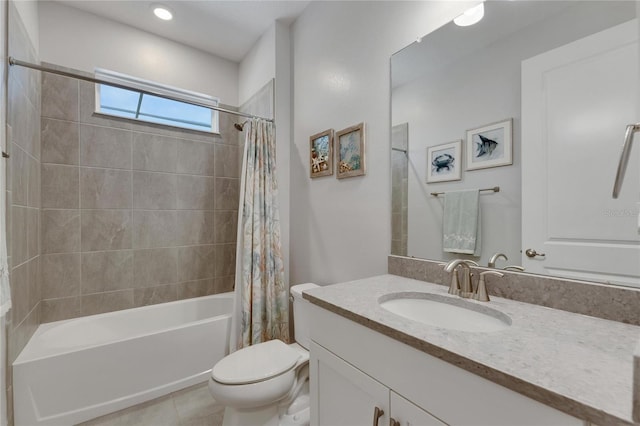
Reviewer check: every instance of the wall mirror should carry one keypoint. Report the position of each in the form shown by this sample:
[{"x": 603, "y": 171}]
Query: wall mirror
[{"x": 564, "y": 75}]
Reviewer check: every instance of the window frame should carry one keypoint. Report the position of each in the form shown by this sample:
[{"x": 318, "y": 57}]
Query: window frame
[{"x": 151, "y": 88}]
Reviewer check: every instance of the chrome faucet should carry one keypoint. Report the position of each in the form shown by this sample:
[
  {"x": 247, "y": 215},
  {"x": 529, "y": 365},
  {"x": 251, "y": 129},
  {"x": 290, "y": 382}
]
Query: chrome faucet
[
  {"x": 466, "y": 290},
  {"x": 494, "y": 258}
]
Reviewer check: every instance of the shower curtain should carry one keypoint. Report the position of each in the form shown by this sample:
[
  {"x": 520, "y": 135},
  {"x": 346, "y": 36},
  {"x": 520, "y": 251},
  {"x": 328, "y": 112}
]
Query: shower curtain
[{"x": 261, "y": 310}]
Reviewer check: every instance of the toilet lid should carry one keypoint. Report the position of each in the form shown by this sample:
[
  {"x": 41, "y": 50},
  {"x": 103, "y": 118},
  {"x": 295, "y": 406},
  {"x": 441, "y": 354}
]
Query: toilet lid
[{"x": 255, "y": 363}]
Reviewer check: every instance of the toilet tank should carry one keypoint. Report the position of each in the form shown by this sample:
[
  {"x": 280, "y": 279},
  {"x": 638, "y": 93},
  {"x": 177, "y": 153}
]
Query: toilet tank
[{"x": 301, "y": 314}]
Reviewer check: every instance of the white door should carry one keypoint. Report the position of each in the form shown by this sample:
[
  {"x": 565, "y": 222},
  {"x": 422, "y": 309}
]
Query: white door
[
  {"x": 342, "y": 395},
  {"x": 576, "y": 103}
]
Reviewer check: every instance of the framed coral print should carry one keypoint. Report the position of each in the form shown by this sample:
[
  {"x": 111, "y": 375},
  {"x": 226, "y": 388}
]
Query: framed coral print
[
  {"x": 350, "y": 152},
  {"x": 444, "y": 162},
  {"x": 321, "y": 154},
  {"x": 490, "y": 145}
]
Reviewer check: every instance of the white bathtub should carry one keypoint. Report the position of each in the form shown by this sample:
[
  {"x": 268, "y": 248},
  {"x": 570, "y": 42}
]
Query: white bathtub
[{"x": 75, "y": 370}]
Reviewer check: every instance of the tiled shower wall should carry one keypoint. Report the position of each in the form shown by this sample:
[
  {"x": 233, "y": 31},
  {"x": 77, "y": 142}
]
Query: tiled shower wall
[
  {"x": 399, "y": 188},
  {"x": 23, "y": 185},
  {"x": 23, "y": 195},
  {"x": 132, "y": 213}
]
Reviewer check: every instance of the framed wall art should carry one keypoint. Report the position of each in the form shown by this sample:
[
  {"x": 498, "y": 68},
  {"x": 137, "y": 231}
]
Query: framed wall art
[
  {"x": 490, "y": 145},
  {"x": 444, "y": 162},
  {"x": 350, "y": 152},
  {"x": 321, "y": 154}
]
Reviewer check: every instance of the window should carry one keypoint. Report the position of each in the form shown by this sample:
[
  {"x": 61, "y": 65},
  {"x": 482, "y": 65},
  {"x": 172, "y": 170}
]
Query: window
[{"x": 139, "y": 105}]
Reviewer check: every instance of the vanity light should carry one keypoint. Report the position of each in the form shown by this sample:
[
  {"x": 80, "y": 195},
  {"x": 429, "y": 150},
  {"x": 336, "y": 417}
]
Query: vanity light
[
  {"x": 162, "y": 12},
  {"x": 471, "y": 16}
]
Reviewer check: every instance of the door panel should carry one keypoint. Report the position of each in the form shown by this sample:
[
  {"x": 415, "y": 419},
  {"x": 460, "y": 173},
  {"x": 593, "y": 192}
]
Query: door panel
[{"x": 576, "y": 103}]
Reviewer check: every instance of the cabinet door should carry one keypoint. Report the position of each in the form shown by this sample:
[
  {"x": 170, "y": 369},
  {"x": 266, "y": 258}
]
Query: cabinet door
[
  {"x": 406, "y": 413},
  {"x": 342, "y": 395}
]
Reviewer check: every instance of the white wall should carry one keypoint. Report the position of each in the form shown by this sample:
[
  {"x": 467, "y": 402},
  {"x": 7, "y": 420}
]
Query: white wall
[
  {"x": 340, "y": 229},
  {"x": 258, "y": 66},
  {"x": 28, "y": 10},
  {"x": 80, "y": 40}
]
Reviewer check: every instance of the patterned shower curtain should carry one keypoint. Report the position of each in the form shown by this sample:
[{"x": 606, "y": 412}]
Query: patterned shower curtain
[{"x": 261, "y": 311}]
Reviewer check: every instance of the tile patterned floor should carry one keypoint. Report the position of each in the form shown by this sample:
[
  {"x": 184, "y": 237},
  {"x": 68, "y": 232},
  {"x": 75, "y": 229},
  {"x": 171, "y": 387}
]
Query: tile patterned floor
[{"x": 193, "y": 406}]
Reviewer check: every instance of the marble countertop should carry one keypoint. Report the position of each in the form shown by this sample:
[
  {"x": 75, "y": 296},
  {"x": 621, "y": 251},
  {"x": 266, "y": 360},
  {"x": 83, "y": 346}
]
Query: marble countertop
[{"x": 575, "y": 363}]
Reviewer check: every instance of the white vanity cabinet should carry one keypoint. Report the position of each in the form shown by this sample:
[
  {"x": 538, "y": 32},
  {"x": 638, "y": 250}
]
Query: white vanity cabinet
[
  {"x": 355, "y": 369},
  {"x": 345, "y": 396}
]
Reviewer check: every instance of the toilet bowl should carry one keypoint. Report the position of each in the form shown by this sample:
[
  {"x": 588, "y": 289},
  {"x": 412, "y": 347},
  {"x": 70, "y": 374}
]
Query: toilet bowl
[{"x": 267, "y": 383}]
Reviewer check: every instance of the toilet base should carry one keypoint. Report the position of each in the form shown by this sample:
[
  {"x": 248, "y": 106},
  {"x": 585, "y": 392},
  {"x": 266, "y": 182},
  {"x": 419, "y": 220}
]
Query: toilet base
[{"x": 296, "y": 414}]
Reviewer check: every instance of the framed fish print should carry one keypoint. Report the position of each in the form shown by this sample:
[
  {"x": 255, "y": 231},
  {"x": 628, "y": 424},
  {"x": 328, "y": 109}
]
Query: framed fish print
[
  {"x": 321, "y": 154},
  {"x": 490, "y": 145},
  {"x": 444, "y": 162},
  {"x": 350, "y": 152}
]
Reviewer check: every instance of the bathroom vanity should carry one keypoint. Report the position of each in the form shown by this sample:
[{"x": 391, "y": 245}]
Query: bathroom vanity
[{"x": 546, "y": 367}]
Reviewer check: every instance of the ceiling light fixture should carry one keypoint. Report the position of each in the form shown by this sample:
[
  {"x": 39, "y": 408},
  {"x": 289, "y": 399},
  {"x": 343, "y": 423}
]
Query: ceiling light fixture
[
  {"x": 162, "y": 12},
  {"x": 471, "y": 16}
]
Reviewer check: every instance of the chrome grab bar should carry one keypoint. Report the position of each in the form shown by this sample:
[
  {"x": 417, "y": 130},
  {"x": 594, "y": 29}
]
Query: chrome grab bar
[{"x": 624, "y": 157}]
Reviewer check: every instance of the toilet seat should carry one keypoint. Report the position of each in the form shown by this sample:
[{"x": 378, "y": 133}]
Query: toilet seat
[{"x": 256, "y": 363}]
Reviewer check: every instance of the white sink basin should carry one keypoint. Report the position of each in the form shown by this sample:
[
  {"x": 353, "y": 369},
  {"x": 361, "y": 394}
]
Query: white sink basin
[{"x": 445, "y": 312}]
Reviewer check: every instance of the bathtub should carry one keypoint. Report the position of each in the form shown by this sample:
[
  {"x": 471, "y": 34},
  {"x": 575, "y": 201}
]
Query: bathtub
[{"x": 75, "y": 370}]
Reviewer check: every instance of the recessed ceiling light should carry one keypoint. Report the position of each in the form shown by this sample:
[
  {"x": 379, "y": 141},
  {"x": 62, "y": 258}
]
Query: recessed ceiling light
[
  {"x": 471, "y": 16},
  {"x": 162, "y": 12}
]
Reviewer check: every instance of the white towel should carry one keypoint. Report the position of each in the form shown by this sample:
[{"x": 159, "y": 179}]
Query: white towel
[{"x": 461, "y": 222}]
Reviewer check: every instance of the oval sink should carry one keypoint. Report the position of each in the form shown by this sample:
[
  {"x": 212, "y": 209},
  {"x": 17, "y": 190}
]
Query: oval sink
[{"x": 445, "y": 312}]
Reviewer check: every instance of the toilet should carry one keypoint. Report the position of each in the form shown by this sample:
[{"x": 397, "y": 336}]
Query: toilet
[{"x": 267, "y": 383}]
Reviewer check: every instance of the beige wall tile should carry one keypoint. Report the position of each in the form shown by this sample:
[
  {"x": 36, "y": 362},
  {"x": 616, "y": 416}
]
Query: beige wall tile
[
  {"x": 196, "y": 192},
  {"x": 196, "y": 158},
  {"x": 106, "y": 230},
  {"x": 20, "y": 176},
  {"x": 154, "y": 295},
  {"x": 19, "y": 282},
  {"x": 154, "y": 228},
  {"x": 105, "y": 147},
  {"x": 195, "y": 227},
  {"x": 224, "y": 284},
  {"x": 196, "y": 262},
  {"x": 197, "y": 288},
  {"x": 105, "y": 189},
  {"x": 59, "y": 97},
  {"x": 106, "y": 271},
  {"x": 226, "y": 160},
  {"x": 225, "y": 226},
  {"x": 154, "y": 267},
  {"x": 34, "y": 196},
  {"x": 61, "y": 274},
  {"x": 106, "y": 302},
  {"x": 225, "y": 260},
  {"x": 35, "y": 282},
  {"x": 227, "y": 193},
  {"x": 60, "y": 186},
  {"x": 154, "y": 153},
  {"x": 19, "y": 235},
  {"x": 60, "y": 231},
  {"x": 60, "y": 142},
  {"x": 154, "y": 191},
  {"x": 59, "y": 309},
  {"x": 33, "y": 232}
]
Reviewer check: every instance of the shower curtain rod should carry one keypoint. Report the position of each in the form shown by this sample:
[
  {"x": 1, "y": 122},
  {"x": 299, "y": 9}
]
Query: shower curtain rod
[{"x": 13, "y": 61}]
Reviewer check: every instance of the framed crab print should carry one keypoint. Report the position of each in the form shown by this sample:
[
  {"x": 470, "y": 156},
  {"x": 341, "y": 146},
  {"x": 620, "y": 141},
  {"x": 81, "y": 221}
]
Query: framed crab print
[
  {"x": 444, "y": 162},
  {"x": 490, "y": 145},
  {"x": 321, "y": 154},
  {"x": 350, "y": 152}
]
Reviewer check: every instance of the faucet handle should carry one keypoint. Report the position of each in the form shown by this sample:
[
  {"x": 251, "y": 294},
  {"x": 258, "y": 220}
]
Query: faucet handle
[
  {"x": 481, "y": 292},
  {"x": 454, "y": 287}
]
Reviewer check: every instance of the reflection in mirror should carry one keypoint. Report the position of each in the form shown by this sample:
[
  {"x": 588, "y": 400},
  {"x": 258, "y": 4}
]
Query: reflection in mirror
[{"x": 565, "y": 75}]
